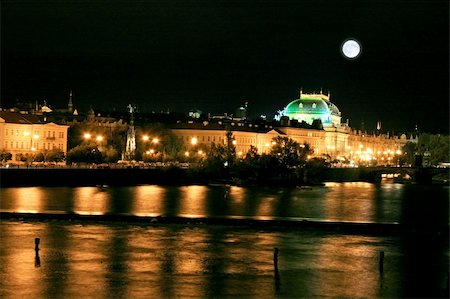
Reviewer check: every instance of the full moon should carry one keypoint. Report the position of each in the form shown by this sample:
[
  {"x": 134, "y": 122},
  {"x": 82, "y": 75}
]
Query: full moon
[{"x": 351, "y": 48}]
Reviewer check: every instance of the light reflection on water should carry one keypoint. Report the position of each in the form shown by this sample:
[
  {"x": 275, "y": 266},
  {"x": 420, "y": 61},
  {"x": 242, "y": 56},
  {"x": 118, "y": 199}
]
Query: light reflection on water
[
  {"x": 355, "y": 202},
  {"x": 126, "y": 261}
]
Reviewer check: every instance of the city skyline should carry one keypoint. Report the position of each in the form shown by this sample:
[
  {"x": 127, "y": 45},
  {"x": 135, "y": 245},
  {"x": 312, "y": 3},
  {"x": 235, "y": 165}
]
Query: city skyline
[{"x": 215, "y": 55}]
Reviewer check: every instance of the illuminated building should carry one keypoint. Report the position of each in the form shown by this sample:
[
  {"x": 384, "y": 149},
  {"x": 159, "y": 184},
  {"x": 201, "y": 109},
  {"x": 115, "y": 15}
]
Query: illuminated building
[
  {"x": 28, "y": 134},
  {"x": 311, "y": 119}
]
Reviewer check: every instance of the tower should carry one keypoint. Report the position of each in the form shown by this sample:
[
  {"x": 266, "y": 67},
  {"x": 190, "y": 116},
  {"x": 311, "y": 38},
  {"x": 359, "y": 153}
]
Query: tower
[
  {"x": 70, "y": 105},
  {"x": 131, "y": 137}
]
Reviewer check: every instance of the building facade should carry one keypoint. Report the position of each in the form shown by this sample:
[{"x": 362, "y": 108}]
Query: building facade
[
  {"x": 27, "y": 134},
  {"x": 332, "y": 139}
]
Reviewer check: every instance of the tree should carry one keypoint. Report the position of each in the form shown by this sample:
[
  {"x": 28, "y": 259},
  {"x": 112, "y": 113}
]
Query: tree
[
  {"x": 289, "y": 152},
  {"x": 409, "y": 151},
  {"x": 54, "y": 155},
  {"x": 5, "y": 156},
  {"x": 110, "y": 155},
  {"x": 436, "y": 145},
  {"x": 86, "y": 153}
]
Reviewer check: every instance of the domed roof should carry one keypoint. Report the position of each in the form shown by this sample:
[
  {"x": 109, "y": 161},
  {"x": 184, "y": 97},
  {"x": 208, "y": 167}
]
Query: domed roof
[
  {"x": 310, "y": 106},
  {"x": 313, "y": 106}
]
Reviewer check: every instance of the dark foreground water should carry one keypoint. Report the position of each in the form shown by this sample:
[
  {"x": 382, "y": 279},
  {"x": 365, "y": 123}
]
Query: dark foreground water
[
  {"x": 131, "y": 261},
  {"x": 119, "y": 260}
]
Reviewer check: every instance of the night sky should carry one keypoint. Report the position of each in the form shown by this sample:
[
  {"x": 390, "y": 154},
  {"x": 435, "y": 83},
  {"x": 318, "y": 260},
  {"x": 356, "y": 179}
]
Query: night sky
[{"x": 214, "y": 55}]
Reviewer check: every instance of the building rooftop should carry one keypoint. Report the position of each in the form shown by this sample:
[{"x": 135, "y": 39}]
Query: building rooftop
[{"x": 19, "y": 118}]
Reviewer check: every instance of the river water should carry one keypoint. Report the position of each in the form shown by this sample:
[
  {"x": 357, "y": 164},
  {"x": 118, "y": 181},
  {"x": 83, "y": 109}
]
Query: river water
[{"x": 119, "y": 260}]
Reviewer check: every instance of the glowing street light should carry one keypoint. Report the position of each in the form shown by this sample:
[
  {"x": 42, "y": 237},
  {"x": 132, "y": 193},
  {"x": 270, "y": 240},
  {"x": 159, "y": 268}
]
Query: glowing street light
[
  {"x": 99, "y": 138},
  {"x": 26, "y": 133},
  {"x": 155, "y": 140},
  {"x": 145, "y": 138},
  {"x": 87, "y": 136},
  {"x": 234, "y": 142},
  {"x": 186, "y": 154},
  {"x": 194, "y": 141}
]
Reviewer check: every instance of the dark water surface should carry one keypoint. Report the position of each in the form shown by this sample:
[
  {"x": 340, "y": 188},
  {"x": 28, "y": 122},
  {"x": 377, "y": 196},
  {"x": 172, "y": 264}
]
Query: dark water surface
[
  {"x": 118, "y": 260},
  {"x": 360, "y": 202},
  {"x": 114, "y": 260}
]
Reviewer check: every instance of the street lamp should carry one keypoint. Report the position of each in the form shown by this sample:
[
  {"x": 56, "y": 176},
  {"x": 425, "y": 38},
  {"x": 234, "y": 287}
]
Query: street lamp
[
  {"x": 145, "y": 138},
  {"x": 194, "y": 141},
  {"x": 99, "y": 138},
  {"x": 155, "y": 140},
  {"x": 87, "y": 136}
]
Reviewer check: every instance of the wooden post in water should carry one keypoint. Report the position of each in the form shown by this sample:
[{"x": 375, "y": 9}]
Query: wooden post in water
[
  {"x": 36, "y": 244},
  {"x": 381, "y": 261},
  {"x": 37, "y": 259},
  {"x": 275, "y": 259}
]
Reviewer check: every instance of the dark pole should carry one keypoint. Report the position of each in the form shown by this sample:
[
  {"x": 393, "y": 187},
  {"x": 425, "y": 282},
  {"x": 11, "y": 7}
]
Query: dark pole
[{"x": 275, "y": 259}]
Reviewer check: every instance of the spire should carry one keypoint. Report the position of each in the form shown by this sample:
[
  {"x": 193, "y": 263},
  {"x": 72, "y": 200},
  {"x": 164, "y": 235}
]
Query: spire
[{"x": 70, "y": 105}]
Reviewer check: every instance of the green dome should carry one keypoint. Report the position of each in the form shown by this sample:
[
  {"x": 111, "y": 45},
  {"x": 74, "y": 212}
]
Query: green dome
[{"x": 313, "y": 106}]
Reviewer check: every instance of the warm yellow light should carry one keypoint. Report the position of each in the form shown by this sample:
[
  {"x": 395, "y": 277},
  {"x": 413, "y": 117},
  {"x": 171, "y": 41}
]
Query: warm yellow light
[
  {"x": 33, "y": 149},
  {"x": 26, "y": 133},
  {"x": 398, "y": 152},
  {"x": 239, "y": 153},
  {"x": 87, "y": 136},
  {"x": 147, "y": 152},
  {"x": 273, "y": 143},
  {"x": 234, "y": 142},
  {"x": 155, "y": 140},
  {"x": 308, "y": 157},
  {"x": 267, "y": 144},
  {"x": 99, "y": 138},
  {"x": 194, "y": 141},
  {"x": 145, "y": 138},
  {"x": 200, "y": 152},
  {"x": 35, "y": 136},
  {"x": 152, "y": 151},
  {"x": 361, "y": 146},
  {"x": 186, "y": 154}
]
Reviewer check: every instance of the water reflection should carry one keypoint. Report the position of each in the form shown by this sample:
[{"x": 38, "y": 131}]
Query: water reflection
[
  {"x": 28, "y": 200},
  {"x": 193, "y": 201},
  {"x": 362, "y": 202},
  {"x": 350, "y": 202},
  {"x": 148, "y": 200},
  {"x": 90, "y": 200}
]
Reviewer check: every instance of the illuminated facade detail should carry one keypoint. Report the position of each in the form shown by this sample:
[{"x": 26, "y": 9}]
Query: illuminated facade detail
[{"x": 22, "y": 134}]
